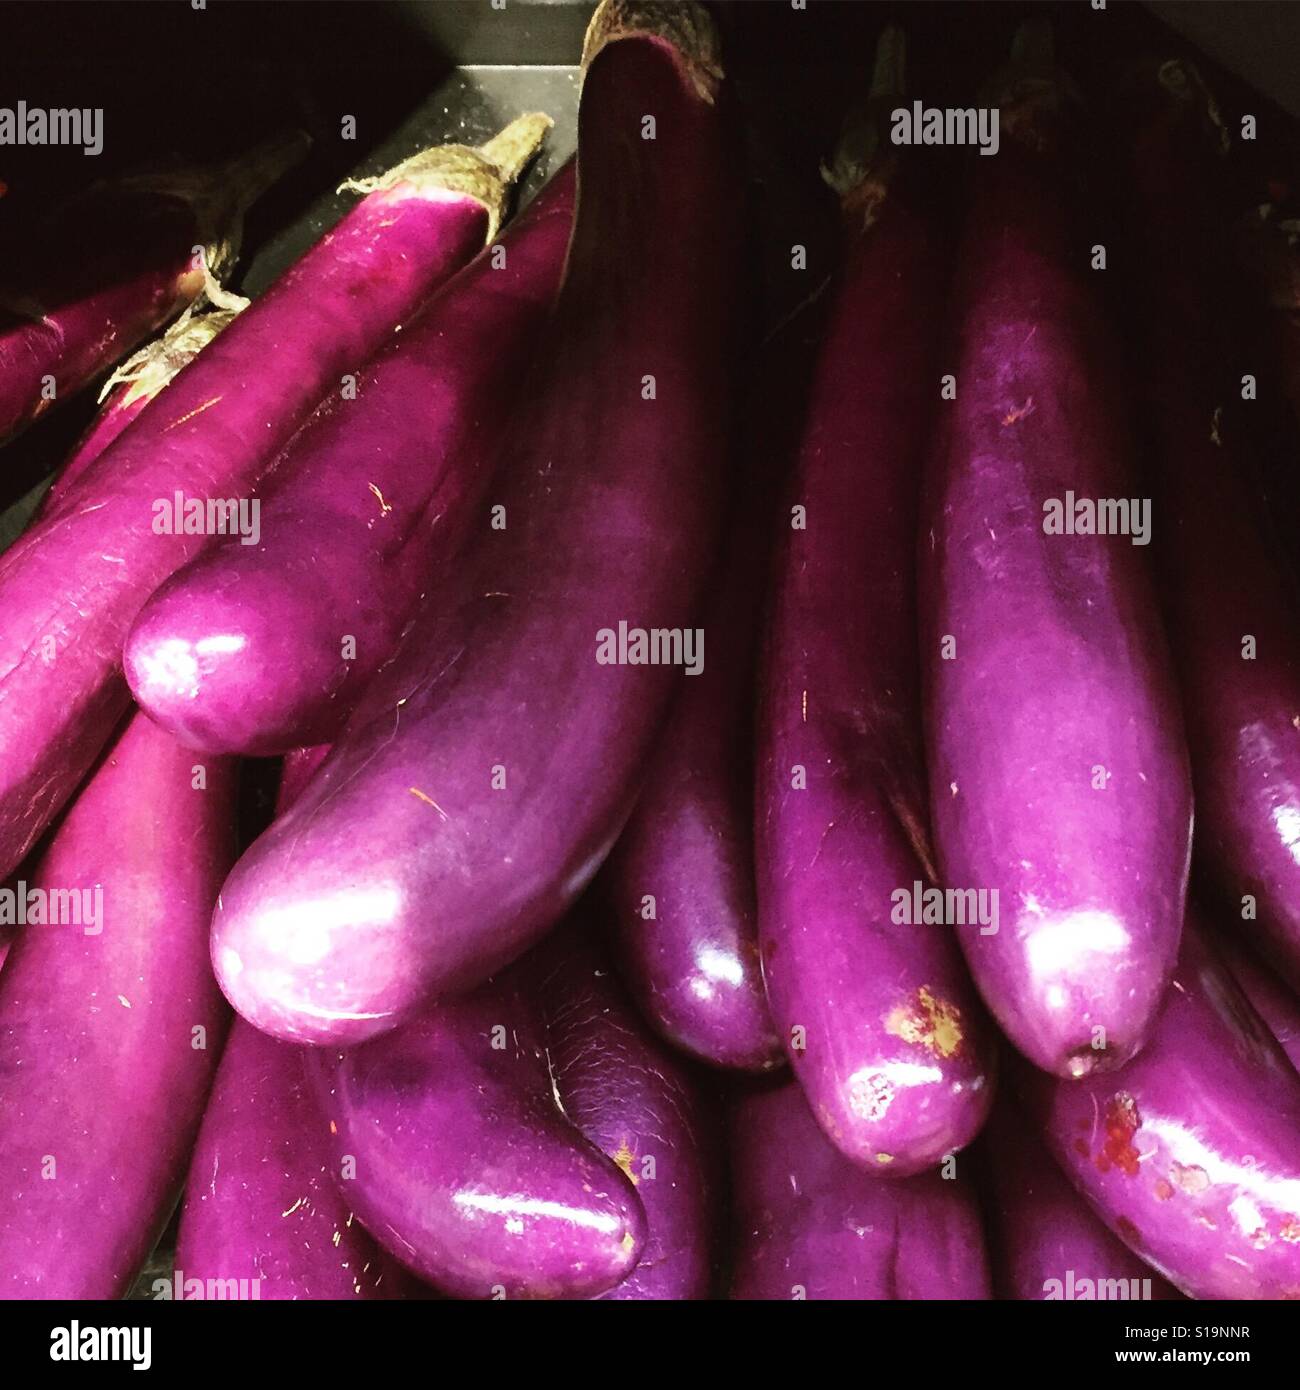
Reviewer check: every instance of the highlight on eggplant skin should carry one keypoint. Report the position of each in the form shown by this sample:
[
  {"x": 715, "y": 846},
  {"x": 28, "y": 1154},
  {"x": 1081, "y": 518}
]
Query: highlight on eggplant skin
[{"x": 643, "y": 818}]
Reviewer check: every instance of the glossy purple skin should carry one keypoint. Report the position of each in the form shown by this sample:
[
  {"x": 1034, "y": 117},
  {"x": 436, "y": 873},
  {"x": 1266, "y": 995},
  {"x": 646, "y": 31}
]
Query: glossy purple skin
[
  {"x": 1269, "y": 997},
  {"x": 261, "y": 1203},
  {"x": 98, "y": 1063},
  {"x": 1189, "y": 1154},
  {"x": 374, "y": 492},
  {"x": 879, "y": 1020},
  {"x": 401, "y": 873},
  {"x": 78, "y": 579},
  {"x": 637, "y": 1103},
  {"x": 1224, "y": 577},
  {"x": 1060, "y": 664},
  {"x": 694, "y": 968},
  {"x": 810, "y": 1224},
  {"x": 465, "y": 1166},
  {"x": 112, "y": 269},
  {"x": 1043, "y": 1231}
]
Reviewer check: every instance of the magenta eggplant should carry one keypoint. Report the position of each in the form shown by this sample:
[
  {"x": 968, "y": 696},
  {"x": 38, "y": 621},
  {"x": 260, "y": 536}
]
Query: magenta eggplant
[
  {"x": 1189, "y": 1154},
  {"x": 451, "y": 1148},
  {"x": 680, "y": 880},
  {"x": 488, "y": 769},
  {"x": 255, "y": 649},
  {"x": 1047, "y": 1243},
  {"x": 131, "y": 387},
  {"x": 640, "y": 1105},
  {"x": 71, "y": 586},
  {"x": 877, "y": 1016},
  {"x": 1232, "y": 604},
  {"x": 110, "y": 1022},
  {"x": 1268, "y": 995},
  {"x": 809, "y": 1224},
  {"x": 79, "y": 310},
  {"x": 1059, "y": 784}
]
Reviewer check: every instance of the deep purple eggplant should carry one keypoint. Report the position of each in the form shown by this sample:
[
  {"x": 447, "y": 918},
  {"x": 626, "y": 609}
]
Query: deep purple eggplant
[
  {"x": 637, "y": 1103},
  {"x": 489, "y": 767},
  {"x": 1234, "y": 613},
  {"x": 110, "y": 1030},
  {"x": 452, "y": 1149},
  {"x": 1268, "y": 995},
  {"x": 877, "y": 1015},
  {"x": 114, "y": 266},
  {"x": 810, "y": 1224},
  {"x": 1058, "y": 773},
  {"x": 255, "y": 649},
  {"x": 1189, "y": 1154},
  {"x": 71, "y": 585},
  {"x": 1047, "y": 1243}
]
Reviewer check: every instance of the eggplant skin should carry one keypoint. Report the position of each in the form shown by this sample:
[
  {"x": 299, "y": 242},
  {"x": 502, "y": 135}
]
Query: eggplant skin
[
  {"x": 487, "y": 771},
  {"x": 808, "y": 1224},
  {"x": 1046, "y": 1240},
  {"x": 109, "y": 1041},
  {"x": 1058, "y": 771},
  {"x": 1189, "y": 1154},
  {"x": 450, "y": 1146},
  {"x": 640, "y": 1104}
]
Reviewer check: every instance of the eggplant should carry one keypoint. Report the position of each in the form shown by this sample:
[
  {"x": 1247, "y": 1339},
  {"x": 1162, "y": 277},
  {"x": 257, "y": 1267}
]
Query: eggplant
[
  {"x": 257, "y": 649},
  {"x": 450, "y": 1146},
  {"x": 878, "y": 1018},
  {"x": 488, "y": 769},
  {"x": 1189, "y": 1154},
  {"x": 1269, "y": 996},
  {"x": 810, "y": 1224},
  {"x": 1058, "y": 772},
  {"x": 1047, "y": 1243},
  {"x": 104, "y": 272},
  {"x": 71, "y": 586},
  {"x": 639, "y": 1104},
  {"x": 110, "y": 1031}
]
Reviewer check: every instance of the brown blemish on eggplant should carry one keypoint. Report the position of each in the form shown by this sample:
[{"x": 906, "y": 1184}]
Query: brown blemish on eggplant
[
  {"x": 1289, "y": 1230},
  {"x": 1122, "y": 1122},
  {"x": 415, "y": 791},
  {"x": 1019, "y": 412},
  {"x": 623, "y": 1156},
  {"x": 870, "y": 1095},
  {"x": 884, "y": 1158},
  {"x": 1128, "y": 1230},
  {"x": 198, "y": 410},
  {"x": 1081, "y": 1148},
  {"x": 1189, "y": 1178},
  {"x": 930, "y": 1022},
  {"x": 1164, "y": 1190}
]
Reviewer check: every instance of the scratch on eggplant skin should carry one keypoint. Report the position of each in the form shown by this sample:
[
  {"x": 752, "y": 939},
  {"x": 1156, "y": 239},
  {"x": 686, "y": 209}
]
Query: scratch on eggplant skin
[
  {"x": 1019, "y": 412},
  {"x": 198, "y": 410},
  {"x": 415, "y": 791},
  {"x": 928, "y": 1022},
  {"x": 384, "y": 507}
]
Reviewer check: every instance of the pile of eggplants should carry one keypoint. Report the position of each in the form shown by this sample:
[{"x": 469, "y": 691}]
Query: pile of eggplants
[{"x": 701, "y": 868}]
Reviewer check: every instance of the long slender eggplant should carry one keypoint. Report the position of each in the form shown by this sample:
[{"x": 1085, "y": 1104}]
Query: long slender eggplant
[
  {"x": 488, "y": 769},
  {"x": 1047, "y": 1244},
  {"x": 1232, "y": 602},
  {"x": 810, "y": 1224},
  {"x": 110, "y": 269},
  {"x": 638, "y": 1104},
  {"x": 1189, "y": 1154},
  {"x": 452, "y": 1149},
  {"x": 70, "y": 587},
  {"x": 110, "y": 1023},
  {"x": 1058, "y": 773},
  {"x": 255, "y": 649},
  {"x": 262, "y": 1206},
  {"x": 877, "y": 1016}
]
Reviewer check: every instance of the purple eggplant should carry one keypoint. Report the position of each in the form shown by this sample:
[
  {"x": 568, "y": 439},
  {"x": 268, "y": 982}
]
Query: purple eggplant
[
  {"x": 489, "y": 767},
  {"x": 810, "y": 1224},
  {"x": 1189, "y": 1154},
  {"x": 1269, "y": 996},
  {"x": 113, "y": 266},
  {"x": 110, "y": 1030},
  {"x": 255, "y": 649},
  {"x": 638, "y": 1104},
  {"x": 875, "y": 1010},
  {"x": 71, "y": 586},
  {"x": 1058, "y": 773},
  {"x": 453, "y": 1151}
]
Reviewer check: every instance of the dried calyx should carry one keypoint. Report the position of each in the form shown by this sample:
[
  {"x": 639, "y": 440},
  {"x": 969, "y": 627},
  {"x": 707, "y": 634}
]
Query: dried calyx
[{"x": 688, "y": 27}]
